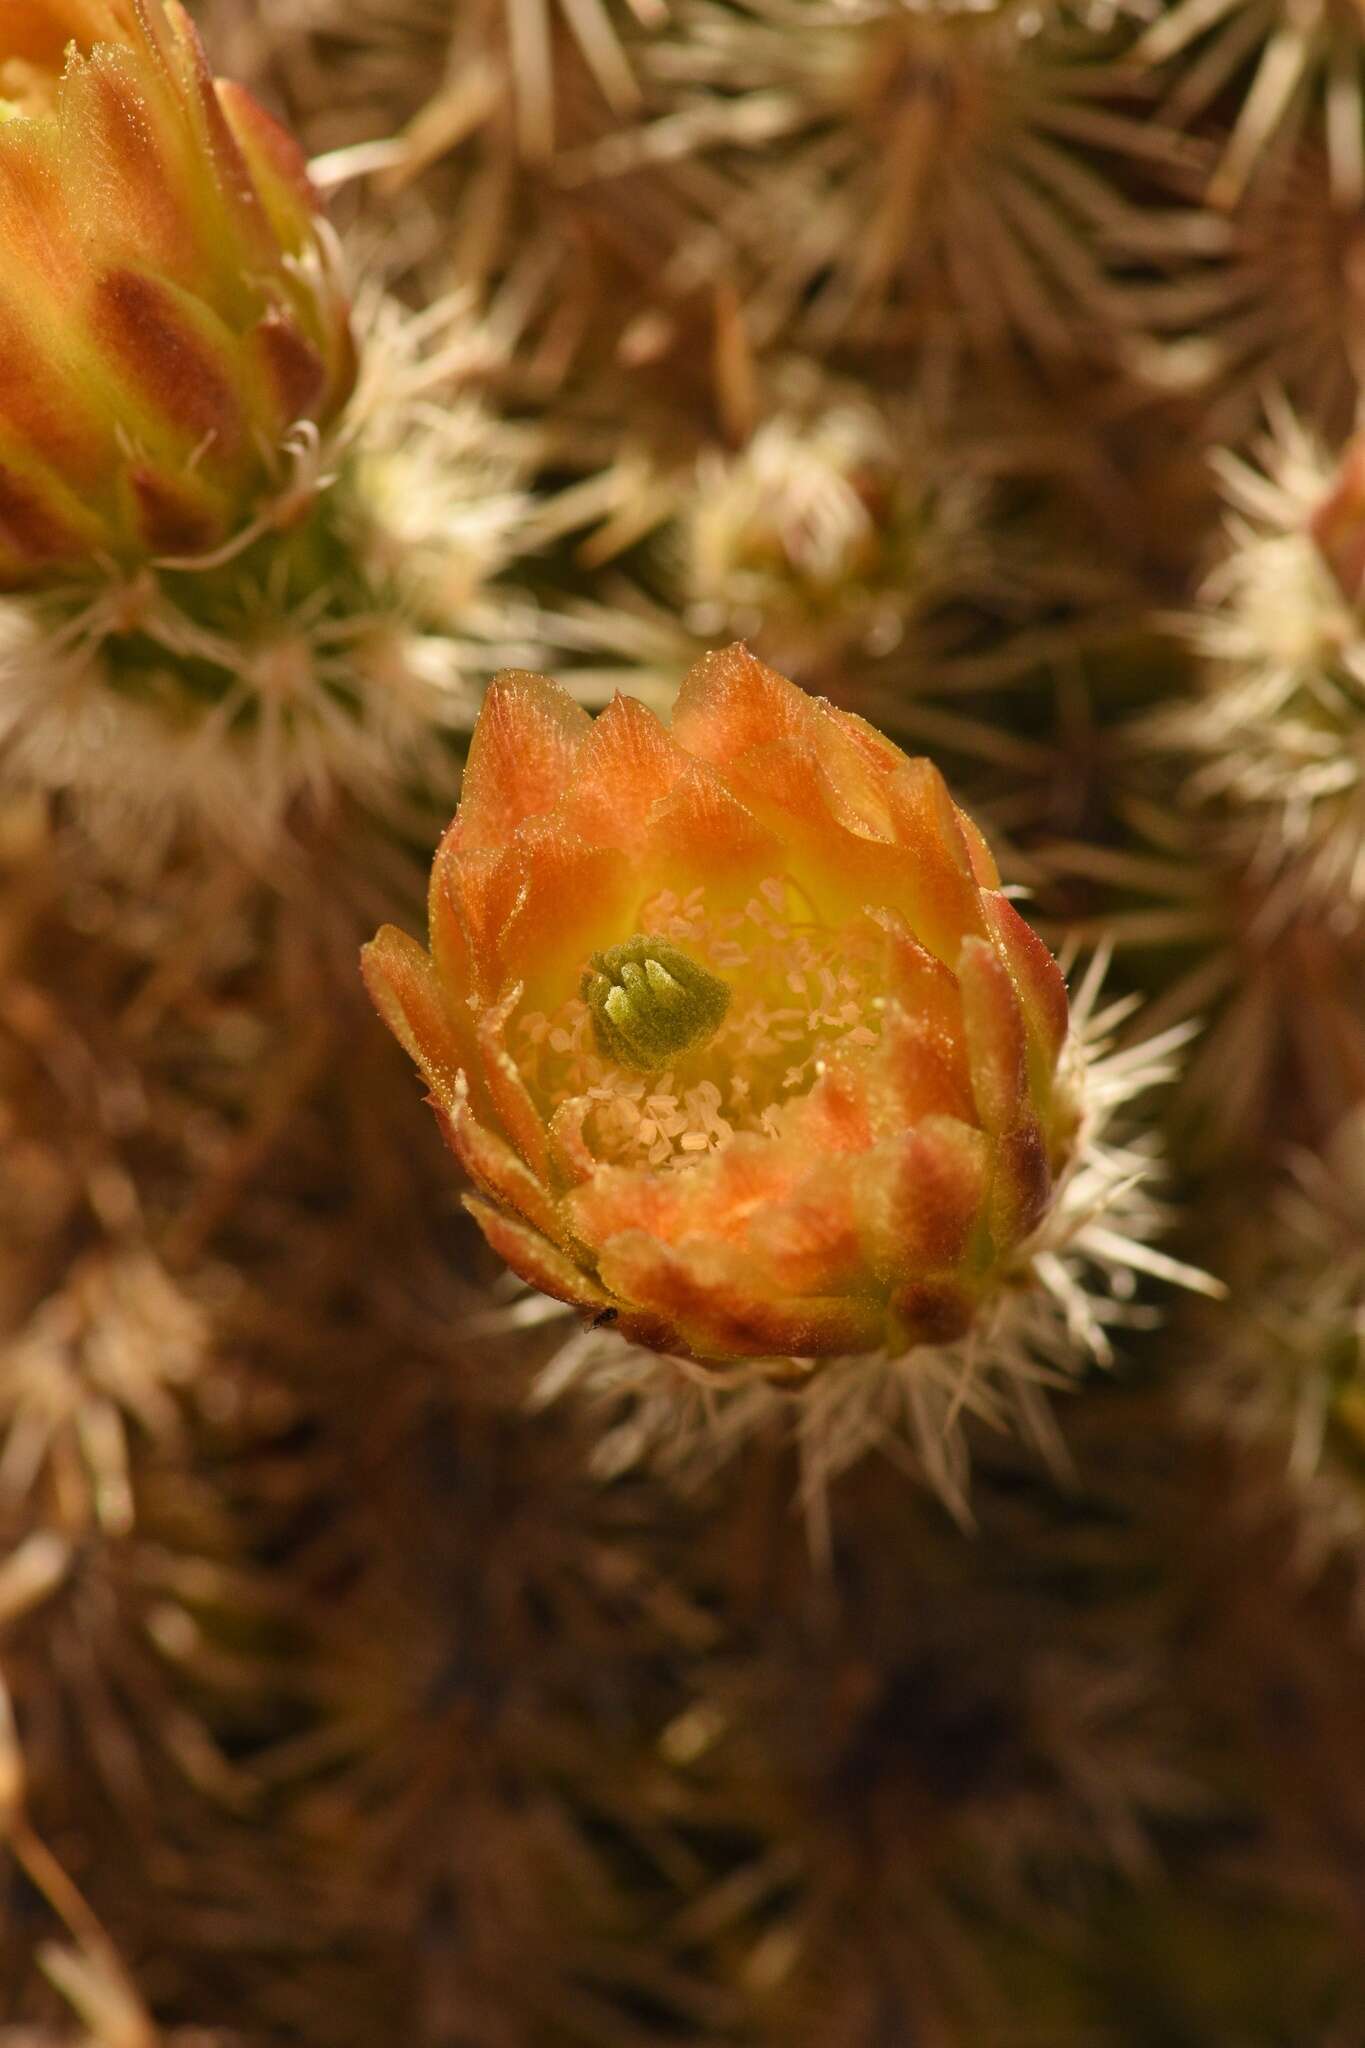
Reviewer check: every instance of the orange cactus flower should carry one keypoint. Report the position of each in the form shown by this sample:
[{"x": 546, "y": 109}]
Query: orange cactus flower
[
  {"x": 730, "y": 1024},
  {"x": 169, "y": 310}
]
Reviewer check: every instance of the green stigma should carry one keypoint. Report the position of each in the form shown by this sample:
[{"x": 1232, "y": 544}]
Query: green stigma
[{"x": 649, "y": 1003}]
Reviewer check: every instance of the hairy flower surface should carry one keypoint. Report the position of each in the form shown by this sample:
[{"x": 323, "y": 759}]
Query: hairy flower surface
[
  {"x": 169, "y": 310},
  {"x": 1280, "y": 723},
  {"x": 731, "y": 1024}
]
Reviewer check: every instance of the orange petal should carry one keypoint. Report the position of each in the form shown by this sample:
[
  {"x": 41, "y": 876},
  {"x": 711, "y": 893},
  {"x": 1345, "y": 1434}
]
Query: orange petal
[
  {"x": 707, "y": 1292},
  {"x": 994, "y": 1027},
  {"x": 507, "y": 1091},
  {"x": 809, "y": 1244},
  {"x": 918, "y": 1070},
  {"x": 921, "y": 983},
  {"x": 865, "y": 824},
  {"x": 881, "y": 755},
  {"x": 136, "y": 187},
  {"x": 1023, "y": 1184},
  {"x": 624, "y": 1198},
  {"x": 42, "y": 406},
  {"x": 526, "y": 743},
  {"x": 701, "y": 833},
  {"x": 931, "y": 1312},
  {"x": 570, "y": 1156},
  {"x": 480, "y": 886},
  {"x": 172, "y": 515},
  {"x": 534, "y": 1258},
  {"x": 571, "y": 900},
  {"x": 732, "y": 709},
  {"x": 793, "y": 777},
  {"x": 979, "y": 854},
  {"x": 289, "y": 367},
  {"x": 1338, "y": 523},
  {"x": 278, "y": 168},
  {"x": 495, "y": 1169},
  {"x": 714, "y": 1198},
  {"x": 734, "y": 1184},
  {"x": 245, "y": 218},
  {"x": 448, "y": 930},
  {"x": 39, "y": 30},
  {"x": 1037, "y": 980},
  {"x": 730, "y": 702},
  {"x": 841, "y": 861},
  {"x": 41, "y": 242},
  {"x": 939, "y": 893},
  {"x": 404, "y": 989},
  {"x": 921, "y": 1196},
  {"x": 177, "y": 354},
  {"x": 834, "y": 1117},
  {"x": 40, "y": 521},
  {"x": 857, "y": 780},
  {"x": 627, "y": 764}
]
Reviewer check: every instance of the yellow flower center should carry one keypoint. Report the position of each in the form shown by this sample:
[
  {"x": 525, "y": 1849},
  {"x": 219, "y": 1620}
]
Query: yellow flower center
[{"x": 795, "y": 994}]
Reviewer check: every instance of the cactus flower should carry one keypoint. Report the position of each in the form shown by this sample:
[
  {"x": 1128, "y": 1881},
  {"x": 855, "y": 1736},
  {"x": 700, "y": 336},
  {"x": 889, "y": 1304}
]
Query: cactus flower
[
  {"x": 168, "y": 306},
  {"x": 730, "y": 1024}
]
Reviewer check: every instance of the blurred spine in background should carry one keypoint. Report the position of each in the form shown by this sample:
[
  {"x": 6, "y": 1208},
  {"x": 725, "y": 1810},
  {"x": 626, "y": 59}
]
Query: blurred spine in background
[{"x": 386, "y": 1654}]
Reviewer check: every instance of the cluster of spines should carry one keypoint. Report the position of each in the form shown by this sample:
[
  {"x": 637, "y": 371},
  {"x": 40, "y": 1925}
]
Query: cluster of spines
[{"x": 557, "y": 219}]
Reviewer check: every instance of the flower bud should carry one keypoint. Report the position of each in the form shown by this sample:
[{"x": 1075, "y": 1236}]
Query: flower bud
[
  {"x": 168, "y": 304},
  {"x": 731, "y": 1025}
]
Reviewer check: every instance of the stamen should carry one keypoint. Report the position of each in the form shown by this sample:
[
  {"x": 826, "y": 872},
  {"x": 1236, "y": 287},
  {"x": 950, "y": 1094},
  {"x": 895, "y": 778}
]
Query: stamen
[{"x": 763, "y": 1051}]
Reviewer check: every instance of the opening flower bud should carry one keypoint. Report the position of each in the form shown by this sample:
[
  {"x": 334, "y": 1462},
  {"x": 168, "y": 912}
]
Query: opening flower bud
[{"x": 731, "y": 1025}]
